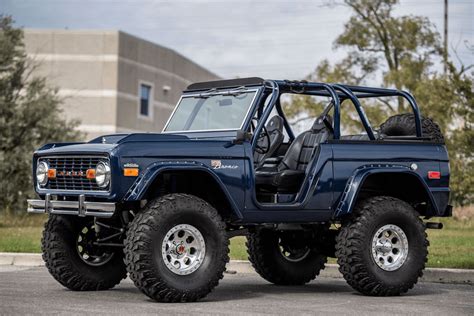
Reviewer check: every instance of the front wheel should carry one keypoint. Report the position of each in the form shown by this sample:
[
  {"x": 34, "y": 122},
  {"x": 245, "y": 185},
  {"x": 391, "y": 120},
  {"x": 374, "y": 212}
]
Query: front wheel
[
  {"x": 74, "y": 259},
  {"x": 176, "y": 249},
  {"x": 382, "y": 249}
]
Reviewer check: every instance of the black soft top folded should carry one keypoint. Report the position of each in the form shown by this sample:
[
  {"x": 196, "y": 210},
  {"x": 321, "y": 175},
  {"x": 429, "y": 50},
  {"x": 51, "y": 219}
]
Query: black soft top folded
[{"x": 206, "y": 85}]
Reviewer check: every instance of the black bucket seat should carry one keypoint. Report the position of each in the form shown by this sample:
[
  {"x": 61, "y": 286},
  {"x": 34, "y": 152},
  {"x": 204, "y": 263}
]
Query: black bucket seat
[{"x": 289, "y": 174}]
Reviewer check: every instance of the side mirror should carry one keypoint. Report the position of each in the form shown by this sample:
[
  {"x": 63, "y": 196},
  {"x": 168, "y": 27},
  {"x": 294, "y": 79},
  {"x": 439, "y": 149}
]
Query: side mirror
[{"x": 241, "y": 137}]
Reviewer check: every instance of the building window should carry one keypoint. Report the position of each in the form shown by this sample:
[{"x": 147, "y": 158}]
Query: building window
[{"x": 145, "y": 99}]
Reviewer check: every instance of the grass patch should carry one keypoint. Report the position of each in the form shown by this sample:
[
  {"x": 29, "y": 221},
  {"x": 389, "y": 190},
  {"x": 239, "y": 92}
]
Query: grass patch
[
  {"x": 23, "y": 220},
  {"x": 21, "y": 233},
  {"x": 20, "y": 239},
  {"x": 451, "y": 247},
  {"x": 238, "y": 250}
]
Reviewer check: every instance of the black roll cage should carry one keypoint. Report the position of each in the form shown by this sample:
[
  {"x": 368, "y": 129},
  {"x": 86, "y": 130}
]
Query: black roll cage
[{"x": 338, "y": 94}]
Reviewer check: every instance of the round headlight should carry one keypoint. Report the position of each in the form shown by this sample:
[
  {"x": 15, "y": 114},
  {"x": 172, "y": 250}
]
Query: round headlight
[
  {"x": 42, "y": 173},
  {"x": 102, "y": 174}
]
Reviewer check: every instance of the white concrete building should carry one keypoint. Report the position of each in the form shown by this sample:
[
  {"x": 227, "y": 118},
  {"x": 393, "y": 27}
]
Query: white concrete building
[{"x": 111, "y": 81}]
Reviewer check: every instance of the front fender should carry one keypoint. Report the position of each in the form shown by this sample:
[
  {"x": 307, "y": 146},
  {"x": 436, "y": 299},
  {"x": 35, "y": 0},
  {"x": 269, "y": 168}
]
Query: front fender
[
  {"x": 355, "y": 182},
  {"x": 144, "y": 181}
]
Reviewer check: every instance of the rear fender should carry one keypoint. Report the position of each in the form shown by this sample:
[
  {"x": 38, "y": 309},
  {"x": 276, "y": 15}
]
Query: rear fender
[{"x": 356, "y": 182}]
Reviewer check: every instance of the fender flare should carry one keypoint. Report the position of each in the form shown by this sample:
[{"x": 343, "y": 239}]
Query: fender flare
[
  {"x": 144, "y": 181},
  {"x": 356, "y": 181}
]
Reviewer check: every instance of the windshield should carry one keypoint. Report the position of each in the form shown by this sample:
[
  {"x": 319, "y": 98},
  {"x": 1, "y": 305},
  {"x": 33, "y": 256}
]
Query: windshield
[{"x": 211, "y": 110}]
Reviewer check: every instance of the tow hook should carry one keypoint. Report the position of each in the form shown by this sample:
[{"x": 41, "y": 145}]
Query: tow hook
[{"x": 433, "y": 225}]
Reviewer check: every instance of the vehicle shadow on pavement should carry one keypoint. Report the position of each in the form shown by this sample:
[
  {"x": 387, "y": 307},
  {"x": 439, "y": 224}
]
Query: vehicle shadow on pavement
[
  {"x": 242, "y": 291},
  {"x": 245, "y": 287},
  {"x": 230, "y": 291},
  {"x": 251, "y": 290}
]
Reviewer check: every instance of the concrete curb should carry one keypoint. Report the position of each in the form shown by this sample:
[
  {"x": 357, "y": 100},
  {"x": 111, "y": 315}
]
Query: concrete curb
[
  {"x": 437, "y": 275},
  {"x": 21, "y": 259}
]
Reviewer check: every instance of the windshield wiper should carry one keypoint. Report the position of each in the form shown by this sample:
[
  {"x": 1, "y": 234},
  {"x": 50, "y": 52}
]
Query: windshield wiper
[
  {"x": 236, "y": 92},
  {"x": 213, "y": 92},
  {"x": 207, "y": 94}
]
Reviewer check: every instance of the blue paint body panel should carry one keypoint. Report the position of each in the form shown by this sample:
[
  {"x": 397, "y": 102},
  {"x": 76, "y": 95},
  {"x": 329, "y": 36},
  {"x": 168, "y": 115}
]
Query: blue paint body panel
[
  {"x": 328, "y": 191},
  {"x": 332, "y": 183}
]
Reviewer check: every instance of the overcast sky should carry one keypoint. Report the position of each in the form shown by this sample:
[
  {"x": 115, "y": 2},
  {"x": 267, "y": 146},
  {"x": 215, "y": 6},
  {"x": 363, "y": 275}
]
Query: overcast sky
[{"x": 271, "y": 39}]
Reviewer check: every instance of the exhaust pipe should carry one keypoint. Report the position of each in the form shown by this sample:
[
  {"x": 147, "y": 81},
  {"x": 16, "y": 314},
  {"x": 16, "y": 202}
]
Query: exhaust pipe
[{"x": 433, "y": 225}]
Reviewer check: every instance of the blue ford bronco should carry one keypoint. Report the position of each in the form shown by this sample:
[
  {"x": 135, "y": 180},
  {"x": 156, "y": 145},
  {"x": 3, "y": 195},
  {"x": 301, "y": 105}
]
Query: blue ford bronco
[{"x": 161, "y": 207}]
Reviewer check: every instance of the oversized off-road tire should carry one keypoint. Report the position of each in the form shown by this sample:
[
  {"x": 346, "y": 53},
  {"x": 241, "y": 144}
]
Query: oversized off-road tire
[
  {"x": 404, "y": 125},
  {"x": 73, "y": 261},
  {"x": 382, "y": 248},
  {"x": 284, "y": 258},
  {"x": 176, "y": 249}
]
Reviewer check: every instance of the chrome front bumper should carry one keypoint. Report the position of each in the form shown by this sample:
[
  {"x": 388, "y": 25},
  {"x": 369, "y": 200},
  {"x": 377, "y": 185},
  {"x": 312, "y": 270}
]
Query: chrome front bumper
[{"x": 79, "y": 208}]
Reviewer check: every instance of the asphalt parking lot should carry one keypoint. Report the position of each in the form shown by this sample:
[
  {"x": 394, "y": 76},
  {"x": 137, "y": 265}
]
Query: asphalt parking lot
[{"x": 33, "y": 291}]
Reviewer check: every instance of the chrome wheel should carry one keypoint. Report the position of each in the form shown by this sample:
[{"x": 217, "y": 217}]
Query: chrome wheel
[
  {"x": 89, "y": 252},
  {"x": 183, "y": 249},
  {"x": 390, "y": 247}
]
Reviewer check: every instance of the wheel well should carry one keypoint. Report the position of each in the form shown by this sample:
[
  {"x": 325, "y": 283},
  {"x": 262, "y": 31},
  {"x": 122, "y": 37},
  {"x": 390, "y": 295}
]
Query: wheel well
[
  {"x": 404, "y": 186},
  {"x": 196, "y": 182}
]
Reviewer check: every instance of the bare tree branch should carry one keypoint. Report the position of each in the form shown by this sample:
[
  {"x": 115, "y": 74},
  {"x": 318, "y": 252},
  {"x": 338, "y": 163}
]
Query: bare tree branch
[
  {"x": 464, "y": 68},
  {"x": 387, "y": 103},
  {"x": 302, "y": 120}
]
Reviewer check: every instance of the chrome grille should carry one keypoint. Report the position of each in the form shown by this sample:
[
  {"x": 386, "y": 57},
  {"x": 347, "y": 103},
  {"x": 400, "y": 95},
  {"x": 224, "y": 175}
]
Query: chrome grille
[{"x": 71, "y": 173}]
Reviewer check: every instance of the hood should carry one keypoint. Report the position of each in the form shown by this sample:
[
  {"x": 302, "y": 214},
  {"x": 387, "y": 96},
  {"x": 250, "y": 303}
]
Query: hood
[
  {"x": 104, "y": 144},
  {"x": 136, "y": 137},
  {"x": 112, "y": 144},
  {"x": 74, "y": 148}
]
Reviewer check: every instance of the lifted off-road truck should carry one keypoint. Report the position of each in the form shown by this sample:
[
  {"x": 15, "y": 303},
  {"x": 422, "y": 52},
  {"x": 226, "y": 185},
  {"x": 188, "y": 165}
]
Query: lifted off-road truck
[{"x": 163, "y": 206}]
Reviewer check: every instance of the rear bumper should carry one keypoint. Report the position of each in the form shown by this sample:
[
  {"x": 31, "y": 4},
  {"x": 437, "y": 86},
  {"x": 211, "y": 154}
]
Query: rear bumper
[{"x": 79, "y": 208}]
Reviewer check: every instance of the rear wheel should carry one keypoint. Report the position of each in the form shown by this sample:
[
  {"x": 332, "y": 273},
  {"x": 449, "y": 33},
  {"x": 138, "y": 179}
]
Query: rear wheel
[
  {"x": 382, "y": 249},
  {"x": 284, "y": 257},
  {"x": 71, "y": 254},
  {"x": 176, "y": 249}
]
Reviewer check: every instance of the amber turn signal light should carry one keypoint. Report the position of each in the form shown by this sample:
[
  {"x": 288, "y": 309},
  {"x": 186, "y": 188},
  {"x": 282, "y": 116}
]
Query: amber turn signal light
[
  {"x": 51, "y": 173},
  {"x": 130, "y": 172},
  {"x": 90, "y": 174}
]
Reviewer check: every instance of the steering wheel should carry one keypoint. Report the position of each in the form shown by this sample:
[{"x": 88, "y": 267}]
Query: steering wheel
[{"x": 263, "y": 140}]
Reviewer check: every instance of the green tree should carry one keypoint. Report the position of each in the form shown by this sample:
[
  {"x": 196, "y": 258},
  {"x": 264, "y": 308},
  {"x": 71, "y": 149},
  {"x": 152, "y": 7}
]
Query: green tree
[
  {"x": 30, "y": 116},
  {"x": 404, "y": 52}
]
